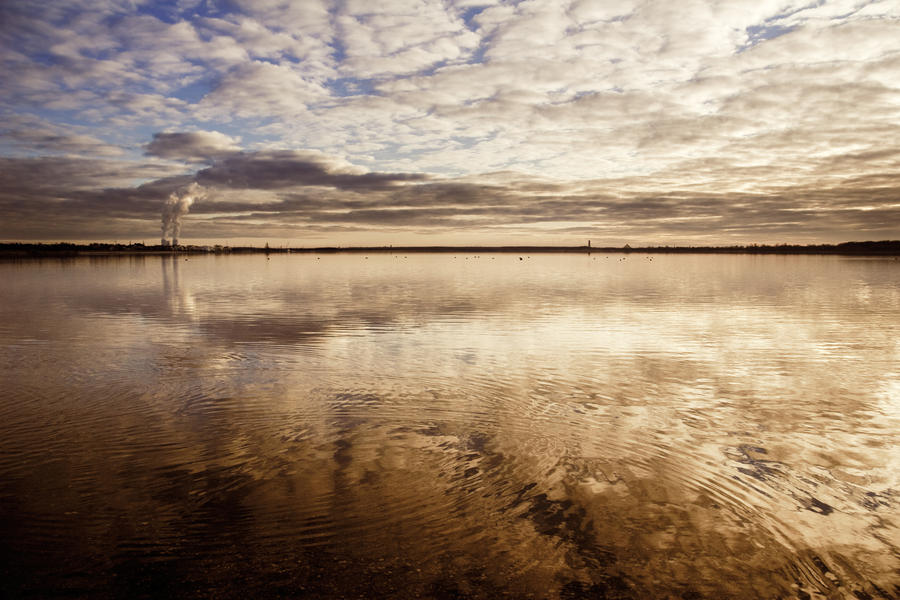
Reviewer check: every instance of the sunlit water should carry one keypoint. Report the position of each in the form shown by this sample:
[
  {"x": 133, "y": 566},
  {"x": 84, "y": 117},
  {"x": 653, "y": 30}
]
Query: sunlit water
[{"x": 561, "y": 426}]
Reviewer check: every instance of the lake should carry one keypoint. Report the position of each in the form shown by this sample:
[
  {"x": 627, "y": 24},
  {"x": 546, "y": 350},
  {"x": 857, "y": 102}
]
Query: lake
[{"x": 450, "y": 426}]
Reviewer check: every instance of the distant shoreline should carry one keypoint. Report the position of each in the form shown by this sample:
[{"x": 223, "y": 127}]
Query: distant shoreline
[{"x": 64, "y": 249}]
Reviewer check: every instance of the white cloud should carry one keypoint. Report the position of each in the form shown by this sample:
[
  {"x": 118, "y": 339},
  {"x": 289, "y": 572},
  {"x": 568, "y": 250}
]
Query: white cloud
[
  {"x": 260, "y": 90},
  {"x": 399, "y": 37}
]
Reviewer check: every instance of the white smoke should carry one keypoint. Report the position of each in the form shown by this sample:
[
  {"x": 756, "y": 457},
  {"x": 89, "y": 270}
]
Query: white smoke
[{"x": 176, "y": 206}]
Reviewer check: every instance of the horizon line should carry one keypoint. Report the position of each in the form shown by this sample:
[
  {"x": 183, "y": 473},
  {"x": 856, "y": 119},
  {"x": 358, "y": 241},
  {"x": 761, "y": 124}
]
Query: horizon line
[{"x": 874, "y": 247}]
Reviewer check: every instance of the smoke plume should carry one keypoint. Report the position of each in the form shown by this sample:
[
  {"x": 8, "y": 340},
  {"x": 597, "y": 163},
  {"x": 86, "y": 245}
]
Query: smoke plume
[{"x": 176, "y": 206}]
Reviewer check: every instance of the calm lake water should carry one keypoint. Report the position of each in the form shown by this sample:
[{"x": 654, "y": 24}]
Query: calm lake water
[{"x": 562, "y": 426}]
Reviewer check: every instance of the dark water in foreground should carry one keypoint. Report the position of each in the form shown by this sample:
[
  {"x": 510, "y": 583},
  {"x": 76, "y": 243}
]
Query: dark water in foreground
[{"x": 564, "y": 426}]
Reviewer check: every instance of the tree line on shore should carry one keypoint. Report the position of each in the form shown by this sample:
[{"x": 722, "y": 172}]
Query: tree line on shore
[{"x": 25, "y": 249}]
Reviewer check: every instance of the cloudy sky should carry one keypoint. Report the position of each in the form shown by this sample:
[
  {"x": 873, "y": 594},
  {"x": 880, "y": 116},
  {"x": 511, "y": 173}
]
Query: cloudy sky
[{"x": 452, "y": 121}]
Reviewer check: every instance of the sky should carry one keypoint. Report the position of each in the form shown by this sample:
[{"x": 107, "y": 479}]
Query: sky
[{"x": 407, "y": 122}]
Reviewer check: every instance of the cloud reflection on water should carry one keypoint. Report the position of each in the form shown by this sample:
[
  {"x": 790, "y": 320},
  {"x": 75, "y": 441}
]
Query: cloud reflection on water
[{"x": 718, "y": 426}]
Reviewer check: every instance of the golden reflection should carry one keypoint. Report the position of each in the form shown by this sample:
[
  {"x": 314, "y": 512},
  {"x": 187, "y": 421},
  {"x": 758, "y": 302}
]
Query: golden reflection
[
  {"x": 559, "y": 427},
  {"x": 180, "y": 300}
]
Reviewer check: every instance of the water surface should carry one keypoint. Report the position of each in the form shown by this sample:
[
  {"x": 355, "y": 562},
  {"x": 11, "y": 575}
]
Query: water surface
[{"x": 561, "y": 426}]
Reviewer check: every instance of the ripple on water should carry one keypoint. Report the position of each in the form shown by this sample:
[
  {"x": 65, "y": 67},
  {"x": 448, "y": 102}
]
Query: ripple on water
[
  {"x": 473, "y": 445},
  {"x": 604, "y": 502}
]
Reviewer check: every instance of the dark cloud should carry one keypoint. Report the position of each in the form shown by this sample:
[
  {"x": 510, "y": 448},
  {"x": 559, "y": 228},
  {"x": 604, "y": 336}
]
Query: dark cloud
[
  {"x": 64, "y": 175},
  {"x": 44, "y": 140},
  {"x": 194, "y": 146},
  {"x": 287, "y": 194},
  {"x": 70, "y": 198},
  {"x": 274, "y": 170}
]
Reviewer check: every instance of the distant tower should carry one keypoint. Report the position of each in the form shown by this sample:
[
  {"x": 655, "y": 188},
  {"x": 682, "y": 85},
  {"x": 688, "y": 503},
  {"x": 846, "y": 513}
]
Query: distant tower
[
  {"x": 589, "y": 243},
  {"x": 163, "y": 242}
]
